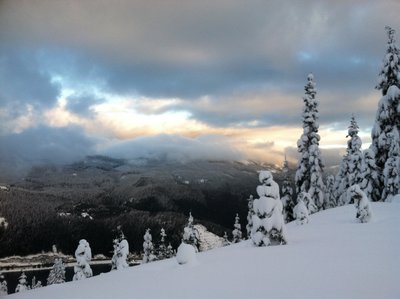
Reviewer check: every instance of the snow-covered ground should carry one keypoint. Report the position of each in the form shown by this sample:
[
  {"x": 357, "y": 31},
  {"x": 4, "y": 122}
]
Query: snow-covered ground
[{"x": 331, "y": 257}]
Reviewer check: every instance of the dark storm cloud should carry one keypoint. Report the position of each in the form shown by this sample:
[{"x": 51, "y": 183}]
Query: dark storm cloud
[
  {"x": 22, "y": 81},
  {"x": 81, "y": 103},
  {"x": 186, "y": 50},
  {"x": 248, "y": 58},
  {"x": 43, "y": 145}
]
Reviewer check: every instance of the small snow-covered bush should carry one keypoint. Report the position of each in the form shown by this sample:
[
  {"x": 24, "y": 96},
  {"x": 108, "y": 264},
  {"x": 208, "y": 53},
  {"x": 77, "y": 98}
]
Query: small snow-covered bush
[
  {"x": 300, "y": 211},
  {"x": 57, "y": 273},
  {"x": 3, "y": 285},
  {"x": 361, "y": 202},
  {"x": 186, "y": 254}
]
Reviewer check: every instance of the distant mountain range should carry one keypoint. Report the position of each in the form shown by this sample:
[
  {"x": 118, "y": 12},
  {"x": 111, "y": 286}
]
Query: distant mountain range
[{"x": 89, "y": 199}]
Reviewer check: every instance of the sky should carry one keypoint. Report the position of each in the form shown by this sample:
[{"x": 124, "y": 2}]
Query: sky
[{"x": 187, "y": 79}]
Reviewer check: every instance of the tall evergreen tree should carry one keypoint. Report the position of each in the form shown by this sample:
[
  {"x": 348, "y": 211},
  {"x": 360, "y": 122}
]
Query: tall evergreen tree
[
  {"x": 287, "y": 194},
  {"x": 342, "y": 180},
  {"x": 388, "y": 114},
  {"x": 250, "y": 214},
  {"x": 391, "y": 172},
  {"x": 369, "y": 176},
  {"x": 355, "y": 154},
  {"x": 237, "y": 231},
  {"x": 309, "y": 171},
  {"x": 350, "y": 169},
  {"x": 57, "y": 273}
]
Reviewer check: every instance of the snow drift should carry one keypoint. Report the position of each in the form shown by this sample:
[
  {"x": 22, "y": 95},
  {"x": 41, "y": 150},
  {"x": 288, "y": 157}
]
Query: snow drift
[{"x": 331, "y": 257}]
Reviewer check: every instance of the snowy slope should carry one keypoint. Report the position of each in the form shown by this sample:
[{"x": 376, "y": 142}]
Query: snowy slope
[{"x": 331, "y": 257}]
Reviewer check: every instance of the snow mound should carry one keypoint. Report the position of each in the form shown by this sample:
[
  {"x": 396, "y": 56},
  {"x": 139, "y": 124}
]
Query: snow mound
[
  {"x": 186, "y": 254},
  {"x": 331, "y": 257}
]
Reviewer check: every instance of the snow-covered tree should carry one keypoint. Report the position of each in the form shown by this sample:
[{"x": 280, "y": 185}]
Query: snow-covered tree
[
  {"x": 226, "y": 241},
  {"x": 57, "y": 273},
  {"x": 369, "y": 182},
  {"x": 309, "y": 171},
  {"x": 355, "y": 154},
  {"x": 148, "y": 248},
  {"x": 170, "y": 251},
  {"x": 3, "y": 285},
  {"x": 388, "y": 114},
  {"x": 36, "y": 284},
  {"x": 237, "y": 231},
  {"x": 350, "y": 167},
  {"x": 300, "y": 211},
  {"x": 330, "y": 200},
  {"x": 391, "y": 172},
  {"x": 250, "y": 214},
  {"x": 22, "y": 285},
  {"x": 83, "y": 255},
  {"x": 268, "y": 223},
  {"x": 390, "y": 71},
  {"x": 191, "y": 234},
  {"x": 162, "y": 247},
  {"x": 287, "y": 194},
  {"x": 308, "y": 201},
  {"x": 361, "y": 202},
  {"x": 119, "y": 260}
]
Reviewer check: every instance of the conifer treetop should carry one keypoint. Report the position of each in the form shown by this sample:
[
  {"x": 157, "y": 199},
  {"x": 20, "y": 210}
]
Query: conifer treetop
[{"x": 389, "y": 74}]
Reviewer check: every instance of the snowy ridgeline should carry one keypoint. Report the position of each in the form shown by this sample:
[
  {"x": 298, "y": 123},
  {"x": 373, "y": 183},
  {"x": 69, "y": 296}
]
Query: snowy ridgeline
[{"x": 333, "y": 256}]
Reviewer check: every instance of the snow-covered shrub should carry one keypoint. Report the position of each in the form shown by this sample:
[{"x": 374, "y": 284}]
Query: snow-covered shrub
[
  {"x": 57, "y": 273},
  {"x": 3, "y": 285},
  {"x": 22, "y": 285},
  {"x": 83, "y": 255},
  {"x": 237, "y": 231},
  {"x": 301, "y": 211},
  {"x": 34, "y": 284},
  {"x": 170, "y": 251},
  {"x": 310, "y": 167},
  {"x": 162, "y": 247},
  {"x": 250, "y": 214},
  {"x": 186, "y": 254},
  {"x": 268, "y": 223},
  {"x": 361, "y": 202},
  {"x": 226, "y": 241},
  {"x": 148, "y": 248},
  {"x": 190, "y": 234},
  {"x": 308, "y": 201}
]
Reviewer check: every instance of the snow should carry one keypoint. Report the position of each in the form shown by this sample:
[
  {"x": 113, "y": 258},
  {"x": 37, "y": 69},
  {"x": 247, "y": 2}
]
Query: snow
[
  {"x": 186, "y": 254},
  {"x": 331, "y": 257},
  {"x": 3, "y": 223}
]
